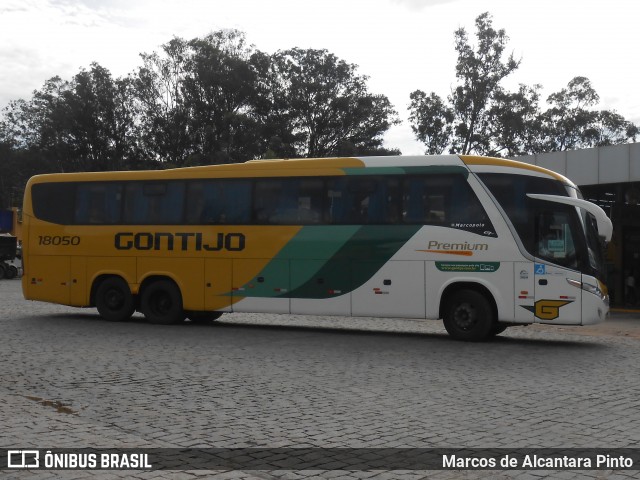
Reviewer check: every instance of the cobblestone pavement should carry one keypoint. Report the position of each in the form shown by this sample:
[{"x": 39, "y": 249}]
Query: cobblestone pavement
[{"x": 71, "y": 380}]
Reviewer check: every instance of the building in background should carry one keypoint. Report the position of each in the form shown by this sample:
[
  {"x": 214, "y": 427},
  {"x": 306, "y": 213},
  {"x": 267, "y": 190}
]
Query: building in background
[{"x": 609, "y": 177}]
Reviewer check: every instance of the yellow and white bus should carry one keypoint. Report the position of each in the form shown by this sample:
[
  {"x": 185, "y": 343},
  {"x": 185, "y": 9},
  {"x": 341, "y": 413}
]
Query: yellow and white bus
[{"x": 483, "y": 243}]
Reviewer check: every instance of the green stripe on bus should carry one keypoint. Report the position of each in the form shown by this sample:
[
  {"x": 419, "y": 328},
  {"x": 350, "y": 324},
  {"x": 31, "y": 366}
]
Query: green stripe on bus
[
  {"x": 342, "y": 258},
  {"x": 308, "y": 251},
  {"x": 356, "y": 262}
]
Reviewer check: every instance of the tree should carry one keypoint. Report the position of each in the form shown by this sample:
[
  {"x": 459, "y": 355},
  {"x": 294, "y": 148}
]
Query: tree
[
  {"x": 213, "y": 99},
  {"x": 516, "y": 124},
  {"x": 431, "y": 121},
  {"x": 82, "y": 124},
  {"x": 465, "y": 124},
  {"x": 222, "y": 92},
  {"x": 482, "y": 117},
  {"x": 204, "y": 100},
  {"x": 159, "y": 103},
  {"x": 325, "y": 107},
  {"x": 572, "y": 121}
]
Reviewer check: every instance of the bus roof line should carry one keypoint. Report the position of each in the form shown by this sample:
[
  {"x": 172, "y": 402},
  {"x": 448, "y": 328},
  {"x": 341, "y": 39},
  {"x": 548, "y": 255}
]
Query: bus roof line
[{"x": 503, "y": 162}]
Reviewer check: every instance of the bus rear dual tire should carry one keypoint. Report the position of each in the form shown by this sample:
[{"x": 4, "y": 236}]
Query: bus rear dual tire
[
  {"x": 161, "y": 303},
  {"x": 114, "y": 300}
]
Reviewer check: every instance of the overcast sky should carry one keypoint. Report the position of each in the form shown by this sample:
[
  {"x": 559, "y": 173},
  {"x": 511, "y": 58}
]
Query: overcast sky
[{"x": 402, "y": 45}]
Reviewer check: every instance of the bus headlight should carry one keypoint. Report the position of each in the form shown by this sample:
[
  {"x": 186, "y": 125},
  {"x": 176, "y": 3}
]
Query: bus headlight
[{"x": 597, "y": 290}]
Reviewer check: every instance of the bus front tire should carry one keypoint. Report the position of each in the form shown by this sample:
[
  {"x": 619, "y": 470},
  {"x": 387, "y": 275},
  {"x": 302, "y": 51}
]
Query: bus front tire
[
  {"x": 114, "y": 300},
  {"x": 468, "y": 316},
  {"x": 161, "y": 303}
]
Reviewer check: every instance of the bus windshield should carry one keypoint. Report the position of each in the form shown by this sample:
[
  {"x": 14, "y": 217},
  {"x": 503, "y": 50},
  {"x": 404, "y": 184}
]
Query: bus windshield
[
  {"x": 594, "y": 242},
  {"x": 550, "y": 231},
  {"x": 594, "y": 245}
]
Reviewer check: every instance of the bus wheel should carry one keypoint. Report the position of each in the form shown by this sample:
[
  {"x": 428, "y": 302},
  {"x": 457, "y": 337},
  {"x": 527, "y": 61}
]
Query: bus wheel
[
  {"x": 11, "y": 272},
  {"x": 114, "y": 300},
  {"x": 468, "y": 316},
  {"x": 2, "y": 271},
  {"x": 161, "y": 303},
  {"x": 203, "y": 317}
]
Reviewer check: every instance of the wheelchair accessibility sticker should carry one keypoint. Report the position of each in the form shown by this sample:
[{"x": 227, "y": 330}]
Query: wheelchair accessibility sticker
[{"x": 540, "y": 269}]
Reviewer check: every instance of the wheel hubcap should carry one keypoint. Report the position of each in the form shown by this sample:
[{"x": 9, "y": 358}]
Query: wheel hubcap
[
  {"x": 161, "y": 304},
  {"x": 114, "y": 299},
  {"x": 465, "y": 316}
]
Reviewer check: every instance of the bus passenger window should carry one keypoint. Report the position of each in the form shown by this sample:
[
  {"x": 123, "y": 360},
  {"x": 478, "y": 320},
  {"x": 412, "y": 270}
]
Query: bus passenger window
[
  {"x": 363, "y": 200},
  {"x": 213, "y": 202},
  {"x": 148, "y": 203},
  {"x": 54, "y": 202},
  {"x": 288, "y": 201},
  {"x": 348, "y": 200},
  {"x": 444, "y": 200},
  {"x": 235, "y": 202},
  {"x": 195, "y": 203},
  {"x": 98, "y": 203},
  {"x": 427, "y": 200}
]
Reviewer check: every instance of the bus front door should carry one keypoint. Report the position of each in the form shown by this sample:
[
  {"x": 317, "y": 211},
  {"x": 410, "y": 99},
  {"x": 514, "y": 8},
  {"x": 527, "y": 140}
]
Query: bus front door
[
  {"x": 555, "y": 269},
  {"x": 557, "y": 301}
]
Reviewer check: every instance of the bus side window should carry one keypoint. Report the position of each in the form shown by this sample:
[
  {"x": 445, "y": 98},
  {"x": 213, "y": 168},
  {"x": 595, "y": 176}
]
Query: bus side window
[
  {"x": 213, "y": 202},
  {"x": 306, "y": 200},
  {"x": 266, "y": 200},
  {"x": 235, "y": 202},
  {"x": 445, "y": 200},
  {"x": 426, "y": 199},
  {"x": 383, "y": 198},
  {"x": 373, "y": 200},
  {"x": 288, "y": 201},
  {"x": 195, "y": 213},
  {"x": 336, "y": 201},
  {"x": 149, "y": 203},
  {"x": 348, "y": 200},
  {"x": 98, "y": 203},
  {"x": 54, "y": 202}
]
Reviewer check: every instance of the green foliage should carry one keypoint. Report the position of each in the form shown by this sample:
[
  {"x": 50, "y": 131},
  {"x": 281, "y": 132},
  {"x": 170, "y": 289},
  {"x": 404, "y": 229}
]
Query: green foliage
[
  {"x": 208, "y": 100},
  {"x": 82, "y": 124},
  {"x": 432, "y": 121},
  {"x": 481, "y": 117},
  {"x": 326, "y": 106},
  {"x": 572, "y": 122}
]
